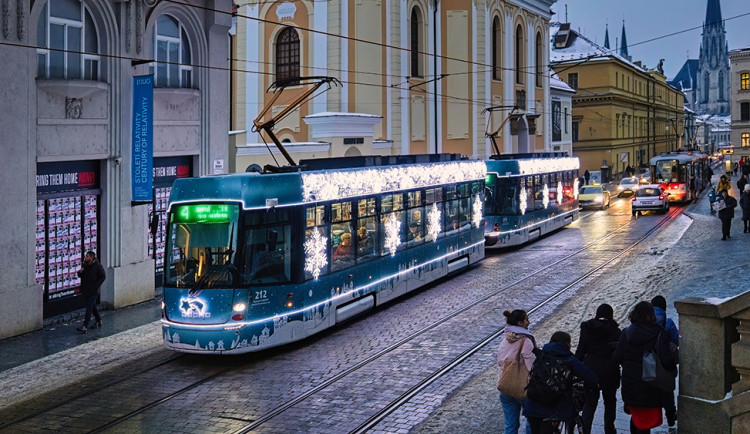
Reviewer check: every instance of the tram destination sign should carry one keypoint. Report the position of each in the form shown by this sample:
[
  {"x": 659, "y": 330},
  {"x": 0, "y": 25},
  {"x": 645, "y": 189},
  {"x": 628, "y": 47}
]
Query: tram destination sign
[{"x": 204, "y": 213}]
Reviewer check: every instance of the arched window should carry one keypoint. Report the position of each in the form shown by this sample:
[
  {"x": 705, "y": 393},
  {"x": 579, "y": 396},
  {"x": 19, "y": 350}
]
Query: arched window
[
  {"x": 497, "y": 43},
  {"x": 67, "y": 41},
  {"x": 519, "y": 54},
  {"x": 539, "y": 56},
  {"x": 287, "y": 55},
  {"x": 173, "y": 58},
  {"x": 721, "y": 85},
  {"x": 415, "y": 44},
  {"x": 705, "y": 87}
]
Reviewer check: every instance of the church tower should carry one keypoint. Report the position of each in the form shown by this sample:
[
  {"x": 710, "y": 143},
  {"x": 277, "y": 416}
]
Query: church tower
[{"x": 712, "y": 79}]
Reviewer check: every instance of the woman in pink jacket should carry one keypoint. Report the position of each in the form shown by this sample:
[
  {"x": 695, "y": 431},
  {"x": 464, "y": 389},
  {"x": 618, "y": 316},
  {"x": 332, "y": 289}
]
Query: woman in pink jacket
[{"x": 516, "y": 335}]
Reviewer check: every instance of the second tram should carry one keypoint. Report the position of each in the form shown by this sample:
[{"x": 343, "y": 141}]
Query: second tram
[
  {"x": 256, "y": 260},
  {"x": 672, "y": 171},
  {"x": 529, "y": 195}
]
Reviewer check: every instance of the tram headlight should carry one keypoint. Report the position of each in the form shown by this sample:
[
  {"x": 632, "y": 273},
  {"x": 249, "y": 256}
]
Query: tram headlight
[{"x": 239, "y": 307}]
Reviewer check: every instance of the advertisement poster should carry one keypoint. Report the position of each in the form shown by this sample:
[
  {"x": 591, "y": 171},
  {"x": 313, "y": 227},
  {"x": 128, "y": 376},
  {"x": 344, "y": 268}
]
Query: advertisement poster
[{"x": 143, "y": 133}]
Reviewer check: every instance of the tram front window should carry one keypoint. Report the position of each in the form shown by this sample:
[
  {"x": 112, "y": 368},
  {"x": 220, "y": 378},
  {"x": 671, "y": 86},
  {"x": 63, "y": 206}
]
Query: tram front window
[
  {"x": 202, "y": 242},
  {"x": 667, "y": 171}
]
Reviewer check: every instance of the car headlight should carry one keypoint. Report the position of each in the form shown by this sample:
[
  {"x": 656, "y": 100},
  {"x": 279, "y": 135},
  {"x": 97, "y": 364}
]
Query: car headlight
[
  {"x": 620, "y": 187},
  {"x": 598, "y": 199}
]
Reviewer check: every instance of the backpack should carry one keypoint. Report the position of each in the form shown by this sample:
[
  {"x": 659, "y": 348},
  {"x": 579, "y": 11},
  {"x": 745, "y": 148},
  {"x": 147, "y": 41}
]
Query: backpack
[{"x": 549, "y": 379}]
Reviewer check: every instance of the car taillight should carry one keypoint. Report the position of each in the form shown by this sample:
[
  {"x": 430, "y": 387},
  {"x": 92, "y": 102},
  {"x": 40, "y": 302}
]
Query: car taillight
[
  {"x": 634, "y": 198},
  {"x": 674, "y": 186},
  {"x": 661, "y": 197}
]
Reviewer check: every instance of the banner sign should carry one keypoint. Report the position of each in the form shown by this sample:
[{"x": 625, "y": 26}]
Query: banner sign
[
  {"x": 65, "y": 176},
  {"x": 143, "y": 138},
  {"x": 167, "y": 169}
]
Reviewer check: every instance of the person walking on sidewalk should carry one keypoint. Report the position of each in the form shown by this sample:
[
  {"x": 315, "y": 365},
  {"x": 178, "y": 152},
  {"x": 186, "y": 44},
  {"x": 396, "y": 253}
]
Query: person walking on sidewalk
[
  {"x": 745, "y": 205},
  {"x": 666, "y": 323},
  {"x": 741, "y": 183},
  {"x": 723, "y": 184},
  {"x": 726, "y": 205},
  {"x": 517, "y": 336},
  {"x": 599, "y": 337},
  {"x": 92, "y": 276},
  {"x": 693, "y": 189}
]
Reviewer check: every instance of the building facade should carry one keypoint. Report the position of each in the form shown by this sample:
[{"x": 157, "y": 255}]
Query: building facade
[
  {"x": 69, "y": 122},
  {"x": 623, "y": 113},
  {"x": 561, "y": 109},
  {"x": 740, "y": 96},
  {"x": 396, "y": 95}
]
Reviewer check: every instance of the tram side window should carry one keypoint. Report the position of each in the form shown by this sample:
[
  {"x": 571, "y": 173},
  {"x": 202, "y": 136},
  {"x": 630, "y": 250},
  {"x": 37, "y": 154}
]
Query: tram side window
[
  {"x": 434, "y": 208},
  {"x": 414, "y": 218},
  {"x": 452, "y": 212},
  {"x": 266, "y": 248},
  {"x": 342, "y": 240},
  {"x": 464, "y": 191},
  {"x": 539, "y": 183},
  {"x": 315, "y": 229},
  {"x": 367, "y": 230},
  {"x": 391, "y": 222}
]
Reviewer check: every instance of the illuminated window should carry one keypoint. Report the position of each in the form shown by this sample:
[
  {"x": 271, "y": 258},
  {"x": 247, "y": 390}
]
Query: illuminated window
[
  {"x": 744, "y": 81},
  {"x": 745, "y": 140},
  {"x": 68, "y": 42},
  {"x": 287, "y": 55},
  {"x": 173, "y": 56}
]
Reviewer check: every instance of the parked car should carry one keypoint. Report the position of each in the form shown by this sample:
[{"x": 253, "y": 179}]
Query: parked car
[
  {"x": 593, "y": 196},
  {"x": 627, "y": 186},
  {"x": 650, "y": 197}
]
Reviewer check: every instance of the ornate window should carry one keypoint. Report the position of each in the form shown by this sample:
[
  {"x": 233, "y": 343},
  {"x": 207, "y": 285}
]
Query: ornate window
[
  {"x": 173, "y": 58},
  {"x": 721, "y": 86},
  {"x": 287, "y": 55},
  {"x": 744, "y": 81},
  {"x": 519, "y": 54},
  {"x": 67, "y": 41},
  {"x": 539, "y": 57},
  {"x": 415, "y": 43},
  {"x": 497, "y": 43}
]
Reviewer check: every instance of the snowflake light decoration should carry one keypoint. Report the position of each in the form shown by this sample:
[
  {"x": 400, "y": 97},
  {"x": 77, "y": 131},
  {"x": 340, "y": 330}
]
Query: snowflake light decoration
[
  {"x": 433, "y": 222},
  {"x": 533, "y": 166},
  {"x": 545, "y": 199},
  {"x": 477, "y": 211},
  {"x": 559, "y": 192},
  {"x": 522, "y": 198},
  {"x": 575, "y": 188},
  {"x": 315, "y": 253},
  {"x": 392, "y": 233}
]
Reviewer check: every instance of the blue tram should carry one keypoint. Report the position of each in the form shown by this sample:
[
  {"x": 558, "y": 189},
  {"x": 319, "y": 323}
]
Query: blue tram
[
  {"x": 256, "y": 260},
  {"x": 672, "y": 170},
  {"x": 529, "y": 195}
]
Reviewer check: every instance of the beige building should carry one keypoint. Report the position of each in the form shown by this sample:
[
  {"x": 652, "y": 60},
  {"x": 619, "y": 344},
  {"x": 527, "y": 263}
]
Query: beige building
[
  {"x": 740, "y": 98},
  {"x": 395, "y": 97},
  {"x": 623, "y": 113}
]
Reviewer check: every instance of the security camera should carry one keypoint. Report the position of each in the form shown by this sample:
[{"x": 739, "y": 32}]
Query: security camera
[{"x": 117, "y": 161}]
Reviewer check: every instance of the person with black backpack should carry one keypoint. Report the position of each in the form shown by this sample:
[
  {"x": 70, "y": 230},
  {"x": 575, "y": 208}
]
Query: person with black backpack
[{"x": 550, "y": 390}]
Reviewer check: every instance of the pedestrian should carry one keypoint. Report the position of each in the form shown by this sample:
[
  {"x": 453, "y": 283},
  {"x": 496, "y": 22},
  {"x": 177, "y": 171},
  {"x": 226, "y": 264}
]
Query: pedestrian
[
  {"x": 745, "y": 205},
  {"x": 587, "y": 176},
  {"x": 629, "y": 170},
  {"x": 693, "y": 189},
  {"x": 745, "y": 168},
  {"x": 516, "y": 336},
  {"x": 723, "y": 184},
  {"x": 92, "y": 276},
  {"x": 726, "y": 204},
  {"x": 599, "y": 337},
  {"x": 735, "y": 167},
  {"x": 562, "y": 408},
  {"x": 666, "y": 323},
  {"x": 741, "y": 183},
  {"x": 641, "y": 399},
  {"x": 709, "y": 174},
  {"x": 712, "y": 200}
]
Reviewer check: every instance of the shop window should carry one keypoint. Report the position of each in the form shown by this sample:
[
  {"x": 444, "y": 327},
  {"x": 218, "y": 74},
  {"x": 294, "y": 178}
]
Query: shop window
[
  {"x": 67, "y": 41},
  {"x": 173, "y": 56},
  {"x": 287, "y": 55}
]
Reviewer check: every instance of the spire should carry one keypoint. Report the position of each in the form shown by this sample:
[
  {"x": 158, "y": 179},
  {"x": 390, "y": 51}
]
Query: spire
[
  {"x": 606, "y": 36},
  {"x": 713, "y": 13},
  {"x": 624, "y": 43}
]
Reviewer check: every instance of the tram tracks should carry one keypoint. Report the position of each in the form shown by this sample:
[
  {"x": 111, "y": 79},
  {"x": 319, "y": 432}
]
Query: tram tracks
[{"x": 326, "y": 383}]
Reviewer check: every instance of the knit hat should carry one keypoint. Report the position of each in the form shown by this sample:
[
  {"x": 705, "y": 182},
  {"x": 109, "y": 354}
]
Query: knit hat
[
  {"x": 659, "y": 301},
  {"x": 747, "y": 187},
  {"x": 605, "y": 311}
]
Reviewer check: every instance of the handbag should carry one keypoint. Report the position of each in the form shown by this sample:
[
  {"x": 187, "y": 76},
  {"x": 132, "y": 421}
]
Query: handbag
[
  {"x": 655, "y": 373},
  {"x": 515, "y": 376}
]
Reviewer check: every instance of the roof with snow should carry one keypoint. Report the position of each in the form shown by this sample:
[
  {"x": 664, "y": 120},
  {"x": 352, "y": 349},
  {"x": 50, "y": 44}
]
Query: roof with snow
[
  {"x": 569, "y": 45},
  {"x": 556, "y": 83}
]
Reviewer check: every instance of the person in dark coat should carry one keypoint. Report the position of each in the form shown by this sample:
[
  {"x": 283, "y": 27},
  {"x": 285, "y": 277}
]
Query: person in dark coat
[
  {"x": 563, "y": 409},
  {"x": 745, "y": 205},
  {"x": 599, "y": 337},
  {"x": 741, "y": 183},
  {"x": 642, "y": 335},
  {"x": 587, "y": 176},
  {"x": 726, "y": 214},
  {"x": 92, "y": 276},
  {"x": 693, "y": 189},
  {"x": 660, "y": 311}
]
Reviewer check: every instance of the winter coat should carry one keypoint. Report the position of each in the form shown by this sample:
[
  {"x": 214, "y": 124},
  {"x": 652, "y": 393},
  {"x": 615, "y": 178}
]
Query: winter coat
[
  {"x": 92, "y": 276},
  {"x": 728, "y": 211},
  {"x": 745, "y": 205},
  {"x": 509, "y": 347},
  {"x": 634, "y": 341},
  {"x": 741, "y": 184},
  {"x": 667, "y": 324},
  {"x": 726, "y": 185},
  {"x": 598, "y": 340},
  {"x": 564, "y": 408}
]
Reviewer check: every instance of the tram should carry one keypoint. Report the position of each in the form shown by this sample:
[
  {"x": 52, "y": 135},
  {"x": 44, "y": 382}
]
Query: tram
[
  {"x": 256, "y": 260},
  {"x": 672, "y": 171},
  {"x": 528, "y": 195}
]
